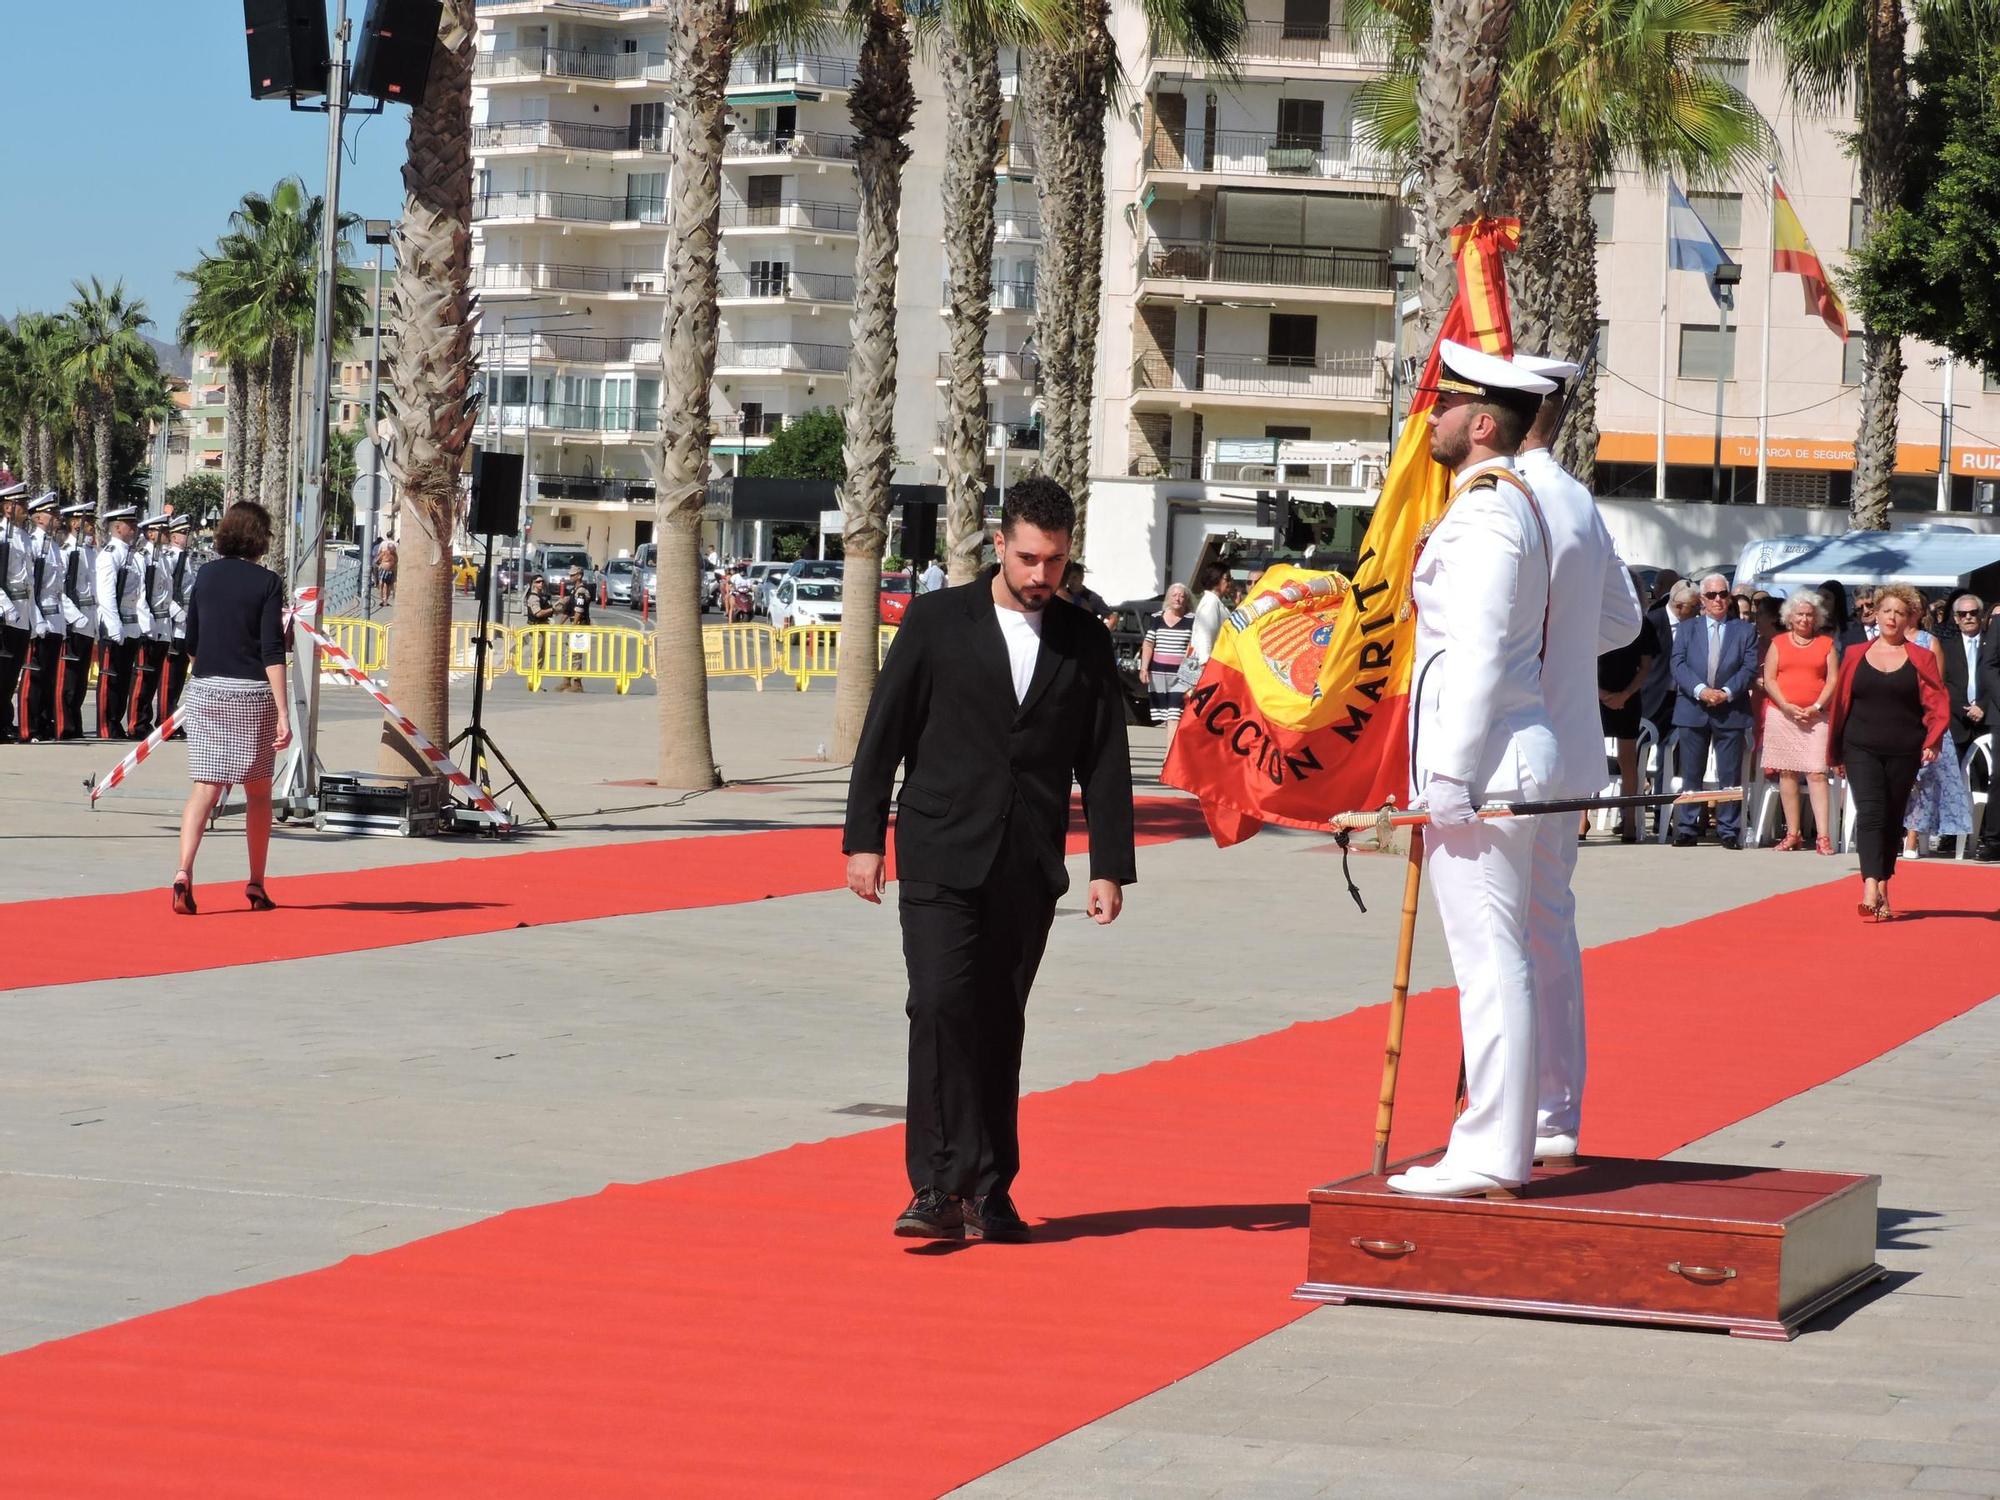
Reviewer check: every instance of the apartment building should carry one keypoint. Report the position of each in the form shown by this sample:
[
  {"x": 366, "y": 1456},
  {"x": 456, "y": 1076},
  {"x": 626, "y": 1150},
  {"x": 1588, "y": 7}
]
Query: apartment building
[
  {"x": 569, "y": 140},
  {"x": 206, "y": 414}
]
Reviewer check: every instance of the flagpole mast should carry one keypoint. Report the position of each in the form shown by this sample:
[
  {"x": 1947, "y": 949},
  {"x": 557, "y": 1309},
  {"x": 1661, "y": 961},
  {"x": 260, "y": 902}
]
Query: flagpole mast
[
  {"x": 1764, "y": 378},
  {"x": 1666, "y": 261}
]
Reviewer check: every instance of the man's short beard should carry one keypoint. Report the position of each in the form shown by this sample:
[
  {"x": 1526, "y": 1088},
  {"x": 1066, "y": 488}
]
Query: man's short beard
[
  {"x": 1450, "y": 451},
  {"x": 1019, "y": 598}
]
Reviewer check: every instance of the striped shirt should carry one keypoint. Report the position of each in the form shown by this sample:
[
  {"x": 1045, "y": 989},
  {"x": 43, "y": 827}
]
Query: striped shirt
[{"x": 1170, "y": 642}]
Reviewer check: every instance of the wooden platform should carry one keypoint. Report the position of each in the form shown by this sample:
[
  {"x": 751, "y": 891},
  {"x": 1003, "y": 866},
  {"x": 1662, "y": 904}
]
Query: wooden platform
[{"x": 1752, "y": 1250}]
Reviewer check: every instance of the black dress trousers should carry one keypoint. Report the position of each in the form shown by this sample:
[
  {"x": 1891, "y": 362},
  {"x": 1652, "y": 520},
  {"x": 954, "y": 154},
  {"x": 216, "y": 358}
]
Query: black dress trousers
[
  {"x": 13, "y": 662},
  {"x": 76, "y": 653},
  {"x": 114, "y": 687},
  {"x": 972, "y": 953}
]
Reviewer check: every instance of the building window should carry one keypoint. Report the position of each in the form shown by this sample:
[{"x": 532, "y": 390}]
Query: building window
[
  {"x": 1294, "y": 339},
  {"x": 1850, "y": 358},
  {"x": 1288, "y": 434},
  {"x": 1734, "y": 71},
  {"x": 1702, "y": 346},
  {"x": 1857, "y": 222},
  {"x": 1603, "y": 346},
  {"x": 1723, "y": 214},
  {"x": 1991, "y": 382},
  {"x": 1301, "y": 123},
  {"x": 1601, "y": 200}
]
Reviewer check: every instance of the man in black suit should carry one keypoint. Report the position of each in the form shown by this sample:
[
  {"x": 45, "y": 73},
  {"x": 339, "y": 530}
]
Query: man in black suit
[
  {"x": 1988, "y": 677},
  {"x": 1714, "y": 665},
  {"x": 995, "y": 695}
]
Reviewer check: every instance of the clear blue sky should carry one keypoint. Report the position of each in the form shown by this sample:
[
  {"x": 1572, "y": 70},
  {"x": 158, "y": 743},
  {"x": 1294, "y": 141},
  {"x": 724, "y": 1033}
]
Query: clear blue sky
[{"x": 129, "y": 136}]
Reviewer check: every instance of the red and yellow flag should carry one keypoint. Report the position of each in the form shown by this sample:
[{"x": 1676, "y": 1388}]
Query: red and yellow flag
[
  {"x": 1302, "y": 708},
  {"x": 1792, "y": 252}
]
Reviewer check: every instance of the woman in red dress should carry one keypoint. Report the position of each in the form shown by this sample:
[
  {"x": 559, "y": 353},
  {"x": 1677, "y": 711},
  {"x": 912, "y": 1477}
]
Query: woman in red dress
[{"x": 1798, "y": 686}]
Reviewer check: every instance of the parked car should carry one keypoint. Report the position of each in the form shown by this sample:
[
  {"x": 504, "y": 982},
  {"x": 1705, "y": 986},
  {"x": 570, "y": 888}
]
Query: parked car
[
  {"x": 621, "y": 581},
  {"x": 553, "y": 562},
  {"x": 763, "y": 576},
  {"x": 647, "y": 559},
  {"x": 807, "y": 594},
  {"x": 896, "y": 593}
]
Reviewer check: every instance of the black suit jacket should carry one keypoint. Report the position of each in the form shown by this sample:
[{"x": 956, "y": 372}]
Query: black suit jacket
[
  {"x": 975, "y": 762},
  {"x": 1951, "y": 663}
]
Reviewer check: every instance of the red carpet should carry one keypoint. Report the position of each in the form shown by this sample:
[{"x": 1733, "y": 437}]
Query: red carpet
[
  {"x": 753, "y": 1329},
  {"x": 352, "y": 910}
]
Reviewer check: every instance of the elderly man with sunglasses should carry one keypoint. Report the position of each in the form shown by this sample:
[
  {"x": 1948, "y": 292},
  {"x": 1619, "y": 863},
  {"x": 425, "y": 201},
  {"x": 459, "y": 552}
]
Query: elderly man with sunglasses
[{"x": 1714, "y": 666}]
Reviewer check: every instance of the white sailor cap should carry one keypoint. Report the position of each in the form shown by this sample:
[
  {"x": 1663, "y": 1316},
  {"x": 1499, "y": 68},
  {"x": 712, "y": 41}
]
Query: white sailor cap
[
  {"x": 180, "y": 523},
  {"x": 81, "y": 508},
  {"x": 158, "y": 518},
  {"x": 44, "y": 501},
  {"x": 1465, "y": 371},
  {"x": 123, "y": 513},
  {"x": 14, "y": 491},
  {"x": 1548, "y": 369}
]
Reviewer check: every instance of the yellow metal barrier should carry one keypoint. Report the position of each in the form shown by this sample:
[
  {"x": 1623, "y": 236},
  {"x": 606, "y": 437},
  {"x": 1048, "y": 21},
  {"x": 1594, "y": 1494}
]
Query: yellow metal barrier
[
  {"x": 811, "y": 651},
  {"x": 607, "y": 653},
  {"x": 464, "y": 659},
  {"x": 740, "y": 651},
  {"x": 884, "y": 635},
  {"x": 364, "y": 640}
]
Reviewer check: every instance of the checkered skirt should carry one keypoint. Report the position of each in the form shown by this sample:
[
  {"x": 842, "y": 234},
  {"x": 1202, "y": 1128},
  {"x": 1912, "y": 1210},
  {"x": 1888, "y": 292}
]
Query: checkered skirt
[{"x": 230, "y": 722}]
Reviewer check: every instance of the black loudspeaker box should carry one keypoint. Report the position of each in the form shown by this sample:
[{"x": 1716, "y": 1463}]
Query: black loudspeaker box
[
  {"x": 496, "y": 493},
  {"x": 287, "y": 44},
  {"x": 394, "y": 59}
]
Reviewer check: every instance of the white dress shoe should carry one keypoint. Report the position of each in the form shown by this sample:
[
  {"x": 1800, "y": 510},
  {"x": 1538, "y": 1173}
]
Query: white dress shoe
[
  {"x": 1451, "y": 1182},
  {"x": 1555, "y": 1150}
]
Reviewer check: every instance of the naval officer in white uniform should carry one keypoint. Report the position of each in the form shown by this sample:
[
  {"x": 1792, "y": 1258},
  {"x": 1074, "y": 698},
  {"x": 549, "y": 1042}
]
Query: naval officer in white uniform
[
  {"x": 1480, "y": 731},
  {"x": 1592, "y": 610}
]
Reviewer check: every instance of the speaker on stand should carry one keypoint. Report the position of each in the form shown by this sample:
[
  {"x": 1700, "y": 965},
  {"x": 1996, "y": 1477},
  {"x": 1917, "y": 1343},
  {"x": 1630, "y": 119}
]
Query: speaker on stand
[
  {"x": 393, "y": 62},
  {"x": 289, "y": 56}
]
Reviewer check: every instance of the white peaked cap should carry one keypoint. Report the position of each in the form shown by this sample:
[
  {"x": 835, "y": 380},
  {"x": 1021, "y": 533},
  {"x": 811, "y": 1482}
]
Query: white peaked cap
[
  {"x": 1548, "y": 369},
  {"x": 1478, "y": 373}
]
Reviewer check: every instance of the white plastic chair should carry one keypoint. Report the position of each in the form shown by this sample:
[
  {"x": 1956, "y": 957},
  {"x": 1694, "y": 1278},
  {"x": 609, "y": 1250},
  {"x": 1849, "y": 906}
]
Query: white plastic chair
[{"x": 1978, "y": 753}]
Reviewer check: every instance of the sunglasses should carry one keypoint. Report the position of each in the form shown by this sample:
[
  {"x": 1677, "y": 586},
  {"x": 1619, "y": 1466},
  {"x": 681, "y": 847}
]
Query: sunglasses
[
  {"x": 1966, "y": 614},
  {"x": 1713, "y": 594}
]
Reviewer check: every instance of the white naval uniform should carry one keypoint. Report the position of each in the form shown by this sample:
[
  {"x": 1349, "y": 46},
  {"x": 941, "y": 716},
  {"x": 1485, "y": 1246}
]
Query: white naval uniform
[
  {"x": 155, "y": 564},
  {"x": 181, "y": 561},
  {"x": 121, "y": 593},
  {"x": 1592, "y": 610},
  {"x": 47, "y": 552},
  {"x": 17, "y": 587},
  {"x": 1481, "y": 591},
  {"x": 80, "y": 609}
]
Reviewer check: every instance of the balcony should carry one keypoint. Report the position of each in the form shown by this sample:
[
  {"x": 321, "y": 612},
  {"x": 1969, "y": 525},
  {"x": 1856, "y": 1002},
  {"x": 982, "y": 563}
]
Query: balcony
[
  {"x": 1286, "y": 47},
  {"x": 795, "y": 145},
  {"x": 1022, "y": 437},
  {"x": 784, "y": 286},
  {"x": 997, "y": 365},
  {"x": 1244, "y": 264},
  {"x": 1310, "y": 465},
  {"x": 1258, "y": 153},
  {"x": 574, "y": 65},
  {"x": 1012, "y": 296},
  {"x": 781, "y": 357},
  {"x": 613, "y": 5},
  {"x": 1015, "y": 159},
  {"x": 758, "y": 427},
  {"x": 1356, "y": 379},
  {"x": 568, "y": 348},
  {"x": 808, "y": 215},
  {"x": 572, "y": 208},
  {"x": 593, "y": 487},
  {"x": 769, "y": 68},
  {"x": 559, "y": 416},
  {"x": 543, "y": 276},
  {"x": 562, "y": 135},
  {"x": 1015, "y": 226}
]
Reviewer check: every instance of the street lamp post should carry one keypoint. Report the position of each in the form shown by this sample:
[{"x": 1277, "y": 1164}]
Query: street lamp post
[
  {"x": 496, "y": 604},
  {"x": 1402, "y": 261},
  {"x": 1726, "y": 276},
  {"x": 377, "y": 232}
]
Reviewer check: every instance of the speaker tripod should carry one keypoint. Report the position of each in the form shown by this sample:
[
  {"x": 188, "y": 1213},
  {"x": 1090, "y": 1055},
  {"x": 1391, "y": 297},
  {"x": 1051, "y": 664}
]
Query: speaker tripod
[{"x": 475, "y": 733}]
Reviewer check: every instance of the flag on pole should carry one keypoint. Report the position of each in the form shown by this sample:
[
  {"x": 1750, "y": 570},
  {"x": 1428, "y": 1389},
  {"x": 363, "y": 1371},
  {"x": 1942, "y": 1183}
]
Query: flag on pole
[
  {"x": 1792, "y": 252},
  {"x": 1302, "y": 708},
  {"x": 1691, "y": 244}
]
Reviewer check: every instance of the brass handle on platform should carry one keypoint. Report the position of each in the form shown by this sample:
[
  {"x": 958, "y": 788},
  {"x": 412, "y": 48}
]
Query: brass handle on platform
[
  {"x": 1391, "y": 1247},
  {"x": 1703, "y": 1273}
]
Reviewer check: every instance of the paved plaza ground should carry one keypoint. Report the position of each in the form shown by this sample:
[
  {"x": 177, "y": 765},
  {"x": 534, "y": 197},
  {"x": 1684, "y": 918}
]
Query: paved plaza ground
[{"x": 167, "y": 1138}]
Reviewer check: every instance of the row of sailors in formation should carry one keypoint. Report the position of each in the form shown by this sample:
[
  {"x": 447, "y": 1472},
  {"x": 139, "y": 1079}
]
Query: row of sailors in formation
[{"x": 66, "y": 601}]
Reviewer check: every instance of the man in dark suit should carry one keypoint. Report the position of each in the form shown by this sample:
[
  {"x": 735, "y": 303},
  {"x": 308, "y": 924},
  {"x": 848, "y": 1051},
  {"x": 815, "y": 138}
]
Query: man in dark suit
[
  {"x": 1958, "y": 652},
  {"x": 995, "y": 695},
  {"x": 1988, "y": 847},
  {"x": 1714, "y": 664}
]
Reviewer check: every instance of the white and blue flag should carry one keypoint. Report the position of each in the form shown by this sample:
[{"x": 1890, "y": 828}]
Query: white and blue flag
[{"x": 1691, "y": 244}]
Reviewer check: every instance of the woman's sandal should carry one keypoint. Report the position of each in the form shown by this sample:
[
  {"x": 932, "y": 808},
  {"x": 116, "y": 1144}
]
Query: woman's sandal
[
  {"x": 1788, "y": 843},
  {"x": 1824, "y": 844},
  {"x": 254, "y": 893},
  {"x": 184, "y": 894}
]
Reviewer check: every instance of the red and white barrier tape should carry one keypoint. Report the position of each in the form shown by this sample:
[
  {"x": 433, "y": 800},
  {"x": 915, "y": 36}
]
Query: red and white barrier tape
[{"x": 136, "y": 756}]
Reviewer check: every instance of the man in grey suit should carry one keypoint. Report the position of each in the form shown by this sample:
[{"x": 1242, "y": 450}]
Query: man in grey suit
[{"x": 1714, "y": 666}]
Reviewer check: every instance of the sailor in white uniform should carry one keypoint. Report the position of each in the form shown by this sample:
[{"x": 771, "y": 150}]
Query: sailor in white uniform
[
  {"x": 153, "y": 563},
  {"x": 122, "y": 621},
  {"x": 1592, "y": 610},
  {"x": 45, "y": 650},
  {"x": 79, "y": 608},
  {"x": 1480, "y": 732}
]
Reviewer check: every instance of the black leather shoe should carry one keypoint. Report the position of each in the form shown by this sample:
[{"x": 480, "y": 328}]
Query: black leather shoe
[
  {"x": 1730, "y": 843},
  {"x": 932, "y": 1215},
  {"x": 1683, "y": 841},
  {"x": 993, "y": 1217},
  {"x": 1987, "y": 854}
]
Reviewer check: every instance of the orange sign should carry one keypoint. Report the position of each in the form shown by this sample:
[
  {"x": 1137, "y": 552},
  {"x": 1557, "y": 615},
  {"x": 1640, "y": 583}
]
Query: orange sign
[{"x": 1818, "y": 454}]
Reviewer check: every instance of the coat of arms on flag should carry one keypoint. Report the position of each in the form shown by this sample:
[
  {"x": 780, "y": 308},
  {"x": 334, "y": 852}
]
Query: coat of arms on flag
[{"x": 1302, "y": 710}]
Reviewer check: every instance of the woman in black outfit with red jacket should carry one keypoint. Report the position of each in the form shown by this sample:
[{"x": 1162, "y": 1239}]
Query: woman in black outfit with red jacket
[
  {"x": 1889, "y": 716},
  {"x": 235, "y": 706}
]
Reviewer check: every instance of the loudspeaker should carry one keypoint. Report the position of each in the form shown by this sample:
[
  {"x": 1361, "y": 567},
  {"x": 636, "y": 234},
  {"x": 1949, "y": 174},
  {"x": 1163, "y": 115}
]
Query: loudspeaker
[
  {"x": 394, "y": 60},
  {"x": 496, "y": 493},
  {"x": 288, "y": 51}
]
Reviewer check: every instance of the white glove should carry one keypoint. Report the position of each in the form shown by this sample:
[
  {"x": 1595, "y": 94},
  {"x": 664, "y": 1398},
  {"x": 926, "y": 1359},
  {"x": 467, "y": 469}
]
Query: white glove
[
  {"x": 1450, "y": 802},
  {"x": 41, "y": 628}
]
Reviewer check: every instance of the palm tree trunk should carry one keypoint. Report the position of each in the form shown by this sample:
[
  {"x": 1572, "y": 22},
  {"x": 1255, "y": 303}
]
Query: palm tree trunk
[
  {"x": 971, "y": 74},
  {"x": 79, "y": 459},
  {"x": 433, "y": 374},
  {"x": 275, "y": 482},
  {"x": 1458, "y": 92},
  {"x": 45, "y": 442},
  {"x": 1573, "y": 328},
  {"x": 31, "y": 453},
  {"x": 703, "y": 40},
  {"x": 882, "y": 107},
  {"x": 235, "y": 440},
  {"x": 1522, "y": 187},
  {"x": 254, "y": 434},
  {"x": 1097, "y": 65},
  {"x": 1049, "y": 89},
  {"x": 103, "y": 421},
  {"x": 1885, "y": 119}
]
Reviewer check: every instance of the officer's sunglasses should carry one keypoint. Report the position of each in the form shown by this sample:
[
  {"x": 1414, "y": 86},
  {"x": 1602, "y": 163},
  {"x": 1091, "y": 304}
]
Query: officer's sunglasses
[
  {"x": 1715, "y": 593},
  {"x": 1965, "y": 614}
]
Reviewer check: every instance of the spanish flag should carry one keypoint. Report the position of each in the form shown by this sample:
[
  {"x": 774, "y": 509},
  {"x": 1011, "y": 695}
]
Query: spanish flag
[
  {"x": 1792, "y": 251},
  {"x": 1302, "y": 710}
]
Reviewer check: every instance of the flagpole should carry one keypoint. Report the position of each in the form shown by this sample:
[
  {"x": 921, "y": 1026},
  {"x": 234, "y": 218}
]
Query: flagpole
[
  {"x": 1666, "y": 261},
  {"x": 1764, "y": 379}
]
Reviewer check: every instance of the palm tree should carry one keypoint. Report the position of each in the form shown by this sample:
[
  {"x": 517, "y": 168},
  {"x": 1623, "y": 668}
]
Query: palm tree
[
  {"x": 1066, "y": 84},
  {"x": 704, "y": 41},
  {"x": 32, "y": 402},
  {"x": 104, "y": 351},
  {"x": 214, "y": 318},
  {"x": 432, "y": 409},
  {"x": 1832, "y": 48},
  {"x": 969, "y": 56}
]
